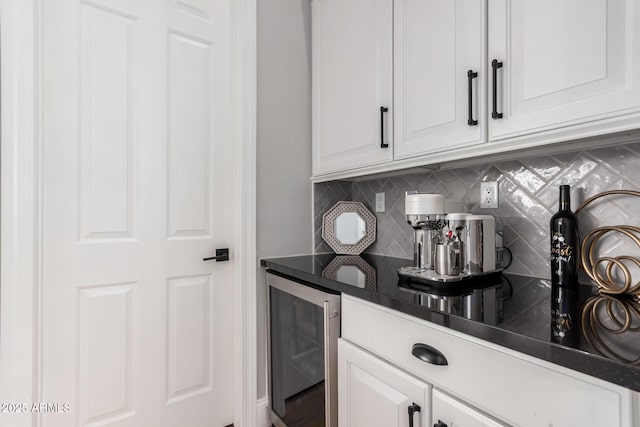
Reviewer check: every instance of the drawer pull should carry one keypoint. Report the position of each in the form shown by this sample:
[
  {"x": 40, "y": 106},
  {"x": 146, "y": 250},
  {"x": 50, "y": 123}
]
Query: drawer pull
[
  {"x": 428, "y": 354},
  {"x": 412, "y": 410}
]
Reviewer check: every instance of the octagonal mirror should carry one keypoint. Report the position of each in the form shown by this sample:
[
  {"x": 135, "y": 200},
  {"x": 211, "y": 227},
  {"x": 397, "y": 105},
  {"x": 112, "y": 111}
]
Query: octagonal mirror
[
  {"x": 352, "y": 275},
  {"x": 352, "y": 270},
  {"x": 348, "y": 228}
]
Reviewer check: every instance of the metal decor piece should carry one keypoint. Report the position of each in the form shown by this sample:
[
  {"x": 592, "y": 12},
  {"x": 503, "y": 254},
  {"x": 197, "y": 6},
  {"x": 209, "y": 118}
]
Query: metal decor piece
[{"x": 349, "y": 228}]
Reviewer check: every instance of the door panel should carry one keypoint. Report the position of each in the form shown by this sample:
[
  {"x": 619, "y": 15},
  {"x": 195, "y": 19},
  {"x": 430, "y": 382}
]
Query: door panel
[
  {"x": 189, "y": 332},
  {"x": 453, "y": 412},
  {"x": 107, "y": 141},
  {"x": 188, "y": 101},
  {"x": 373, "y": 393},
  {"x": 104, "y": 349},
  {"x": 563, "y": 62},
  {"x": 436, "y": 43},
  {"x": 136, "y": 191}
]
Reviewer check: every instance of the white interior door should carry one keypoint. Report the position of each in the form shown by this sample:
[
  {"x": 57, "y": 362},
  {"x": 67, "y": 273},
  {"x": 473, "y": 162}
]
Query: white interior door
[{"x": 136, "y": 328}]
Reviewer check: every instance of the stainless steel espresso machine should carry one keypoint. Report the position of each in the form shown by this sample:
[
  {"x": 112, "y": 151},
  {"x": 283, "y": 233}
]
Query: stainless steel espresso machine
[{"x": 449, "y": 246}]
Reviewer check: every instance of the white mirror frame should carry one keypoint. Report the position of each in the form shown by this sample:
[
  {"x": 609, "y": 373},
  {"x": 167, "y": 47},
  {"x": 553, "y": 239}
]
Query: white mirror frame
[{"x": 329, "y": 232}]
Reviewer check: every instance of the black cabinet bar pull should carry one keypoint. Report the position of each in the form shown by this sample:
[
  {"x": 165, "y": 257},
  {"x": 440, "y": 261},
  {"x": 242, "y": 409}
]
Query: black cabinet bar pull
[
  {"x": 413, "y": 408},
  {"x": 221, "y": 255},
  {"x": 470, "y": 76},
  {"x": 428, "y": 354},
  {"x": 382, "y": 111},
  {"x": 495, "y": 65}
]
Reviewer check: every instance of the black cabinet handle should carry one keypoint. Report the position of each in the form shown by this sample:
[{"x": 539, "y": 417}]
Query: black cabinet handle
[
  {"x": 440, "y": 424},
  {"x": 470, "y": 76},
  {"x": 495, "y": 65},
  {"x": 413, "y": 408},
  {"x": 221, "y": 255},
  {"x": 428, "y": 354},
  {"x": 382, "y": 111}
]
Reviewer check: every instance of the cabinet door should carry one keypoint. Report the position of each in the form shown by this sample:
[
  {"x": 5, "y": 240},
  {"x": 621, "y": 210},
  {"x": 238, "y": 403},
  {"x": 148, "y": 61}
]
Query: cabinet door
[
  {"x": 352, "y": 79},
  {"x": 571, "y": 62},
  {"x": 437, "y": 43},
  {"x": 449, "y": 412},
  {"x": 372, "y": 393}
]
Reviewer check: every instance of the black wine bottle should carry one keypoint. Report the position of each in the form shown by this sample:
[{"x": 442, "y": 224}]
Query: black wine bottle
[
  {"x": 565, "y": 320},
  {"x": 565, "y": 243}
]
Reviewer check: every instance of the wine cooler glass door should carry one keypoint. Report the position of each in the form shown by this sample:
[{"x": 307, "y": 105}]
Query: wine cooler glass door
[{"x": 303, "y": 332}]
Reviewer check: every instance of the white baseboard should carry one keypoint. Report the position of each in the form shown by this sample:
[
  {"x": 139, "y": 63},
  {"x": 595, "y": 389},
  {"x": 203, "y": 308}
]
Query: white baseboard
[{"x": 262, "y": 413}]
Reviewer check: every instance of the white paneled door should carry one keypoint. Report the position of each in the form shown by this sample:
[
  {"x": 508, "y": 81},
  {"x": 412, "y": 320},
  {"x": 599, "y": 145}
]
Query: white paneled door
[{"x": 136, "y": 328}]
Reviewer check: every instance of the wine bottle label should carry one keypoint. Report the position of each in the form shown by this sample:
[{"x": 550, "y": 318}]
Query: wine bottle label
[
  {"x": 561, "y": 250},
  {"x": 561, "y": 323}
]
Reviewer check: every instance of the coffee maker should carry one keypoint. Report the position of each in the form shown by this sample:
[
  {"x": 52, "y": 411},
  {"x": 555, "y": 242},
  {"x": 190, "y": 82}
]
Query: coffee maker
[{"x": 449, "y": 246}]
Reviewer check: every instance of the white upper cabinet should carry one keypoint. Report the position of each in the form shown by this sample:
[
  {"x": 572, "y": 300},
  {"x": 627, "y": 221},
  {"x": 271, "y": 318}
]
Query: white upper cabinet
[
  {"x": 352, "y": 80},
  {"x": 440, "y": 75},
  {"x": 466, "y": 78},
  {"x": 570, "y": 62}
]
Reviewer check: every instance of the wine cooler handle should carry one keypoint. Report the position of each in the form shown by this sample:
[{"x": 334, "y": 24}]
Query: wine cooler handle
[
  {"x": 382, "y": 111},
  {"x": 327, "y": 360},
  {"x": 470, "y": 76},
  {"x": 495, "y": 65},
  {"x": 428, "y": 354},
  {"x": 413, "y": 408}
]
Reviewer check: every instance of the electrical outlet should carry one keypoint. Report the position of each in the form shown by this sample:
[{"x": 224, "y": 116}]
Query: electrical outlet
[
  {"x": 379, "y": 202},
  {"x": 489, "y": 195}
]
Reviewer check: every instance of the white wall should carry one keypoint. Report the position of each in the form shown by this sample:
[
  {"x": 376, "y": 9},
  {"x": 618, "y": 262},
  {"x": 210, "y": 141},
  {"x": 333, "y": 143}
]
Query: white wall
[{"x": 284, "y": 142}]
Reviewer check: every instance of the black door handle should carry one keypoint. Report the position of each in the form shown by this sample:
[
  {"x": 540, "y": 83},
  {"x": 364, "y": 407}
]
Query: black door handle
[
  {"x": 470, "y": 76},
  {"x": 428, "y": 354},
  {"x": 413, "y": 408},
  {"x": 221, "y": 255},
  {"x": 495, "y": 65},
  {"x": 382, "y": 111}
]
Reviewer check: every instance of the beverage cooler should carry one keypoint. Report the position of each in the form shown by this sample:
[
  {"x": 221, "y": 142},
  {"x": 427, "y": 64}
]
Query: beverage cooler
[{"x": 304, "y": 327}]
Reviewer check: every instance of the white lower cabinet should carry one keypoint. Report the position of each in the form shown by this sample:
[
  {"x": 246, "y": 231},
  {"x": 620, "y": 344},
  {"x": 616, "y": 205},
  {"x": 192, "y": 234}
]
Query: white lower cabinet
[
  {"x": 481, "y": 384},
  {"x": 372, "y": 393},
  {"x": 450, "y": 412}
]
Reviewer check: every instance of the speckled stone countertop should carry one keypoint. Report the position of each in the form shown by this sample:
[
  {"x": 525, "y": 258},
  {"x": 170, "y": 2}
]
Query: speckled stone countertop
[{"x": 521, "y": 313}]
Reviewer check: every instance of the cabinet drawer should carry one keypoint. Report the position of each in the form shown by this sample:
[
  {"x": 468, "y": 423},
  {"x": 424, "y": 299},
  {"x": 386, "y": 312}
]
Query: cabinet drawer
[{"x": 512, "y": 387}]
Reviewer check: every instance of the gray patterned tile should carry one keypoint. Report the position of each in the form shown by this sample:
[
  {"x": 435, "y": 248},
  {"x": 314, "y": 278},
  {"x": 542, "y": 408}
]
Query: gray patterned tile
[
  {"x": 528, "y": 192},
  {"x": 456, "y": 189},
  {"x": 522, "y": 176},
  {"x": 546, "y": 167}
]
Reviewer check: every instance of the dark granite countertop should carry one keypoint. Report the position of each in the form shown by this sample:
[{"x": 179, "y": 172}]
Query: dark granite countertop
[{"x": 516, "y": 312}]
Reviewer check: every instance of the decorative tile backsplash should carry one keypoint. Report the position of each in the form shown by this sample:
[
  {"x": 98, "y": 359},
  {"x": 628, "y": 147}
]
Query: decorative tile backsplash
[{"x": 528, "y": 197}]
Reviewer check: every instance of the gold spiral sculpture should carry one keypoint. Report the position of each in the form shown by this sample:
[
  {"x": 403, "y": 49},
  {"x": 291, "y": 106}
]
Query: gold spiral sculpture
[
  {"x": 601, "y": 270},
  {"x": 616, "y": 308},
  {"x": 601, "y": 332}
]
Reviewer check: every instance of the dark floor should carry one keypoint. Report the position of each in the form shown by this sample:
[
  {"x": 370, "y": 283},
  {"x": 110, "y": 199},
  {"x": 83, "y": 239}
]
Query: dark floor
[{"x": 306, "y": 408}]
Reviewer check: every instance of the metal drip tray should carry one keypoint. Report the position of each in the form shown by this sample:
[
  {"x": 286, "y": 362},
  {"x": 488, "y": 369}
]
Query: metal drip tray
[{"x": 430, "y": 277}]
